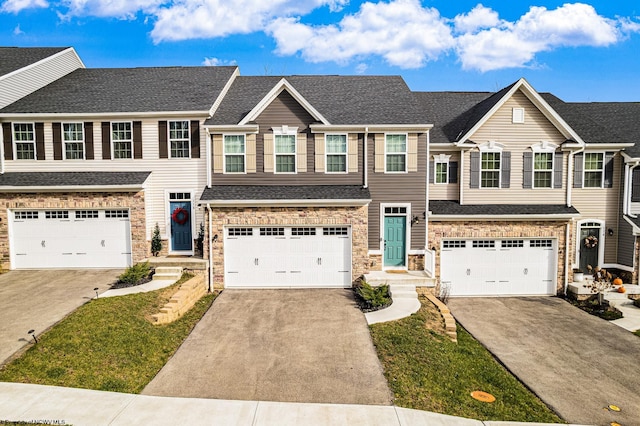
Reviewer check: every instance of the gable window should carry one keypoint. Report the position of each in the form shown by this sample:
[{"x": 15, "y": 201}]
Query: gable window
[
  {"x": 336, "y": 151},
  {"x": 73, "y": 136},
  {"x": 285, "y": 153},
  {"x": 517, "y": 115},
  {"x": 490, "y": 170},
  {"x": 234, "y": 154},
  {"x": 395, "y": 151},
  {"x": 121, "y": 138},
  {"x": 542, "y": 169},
  {"x": 25, "y": 142},
  {"x": 593, "y": 169},
  {"x": 179, "y": 139}
]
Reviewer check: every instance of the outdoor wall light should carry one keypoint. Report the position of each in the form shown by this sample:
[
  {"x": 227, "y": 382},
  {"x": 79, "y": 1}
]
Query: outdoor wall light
[
  {"x": 215, "y": 238},
  {"x": 415, "y": 220},
  {"x": 610, "y": 232}
]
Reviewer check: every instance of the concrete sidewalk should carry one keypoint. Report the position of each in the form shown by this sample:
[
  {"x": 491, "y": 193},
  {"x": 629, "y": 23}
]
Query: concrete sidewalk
[{"x": 56, "y": 405}]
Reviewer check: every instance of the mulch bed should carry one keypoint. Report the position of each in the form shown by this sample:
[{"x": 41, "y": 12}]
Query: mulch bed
[
  {"x": 121, "y": 284},
  {"x": 365, "y": 306},
  {"x": 592, "y": 307}
]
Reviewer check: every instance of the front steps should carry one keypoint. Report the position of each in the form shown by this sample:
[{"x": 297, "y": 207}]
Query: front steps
[{"x": 167, "y": 273}]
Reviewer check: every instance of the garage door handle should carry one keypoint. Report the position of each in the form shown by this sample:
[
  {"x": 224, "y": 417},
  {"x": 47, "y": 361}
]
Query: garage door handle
[
  {"x": 43, "y": 244},
  {"x": 102, "y": 243},
  {"x": 468, "y": 271},
  {"x": 255, "y": 261},
  {"x": 319, "y": 261},
  {"x": 526, "y": 271}
]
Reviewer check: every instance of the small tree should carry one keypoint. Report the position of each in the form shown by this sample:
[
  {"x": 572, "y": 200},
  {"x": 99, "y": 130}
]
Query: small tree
[
  {"x": 200, "y": 239},
  {"x": 156, "y": 241}
]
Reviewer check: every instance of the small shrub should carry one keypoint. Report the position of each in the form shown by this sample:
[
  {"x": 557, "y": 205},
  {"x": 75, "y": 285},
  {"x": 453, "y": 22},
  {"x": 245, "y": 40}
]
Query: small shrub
[
  {"x": 156, "y": 241},
  {"x": 200, "y": 239},
  {"x": 372, "y": 298},
  {"x": 133, "y": 274}
]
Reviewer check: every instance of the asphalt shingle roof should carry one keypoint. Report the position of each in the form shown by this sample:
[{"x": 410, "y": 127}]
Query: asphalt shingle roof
[
  {"x": 340, "y": 99},
  {"x": 14, "y": 58},
  {"x": 446, "y": 207},
  {"x": 285, "y": 192},
  {"x": 104, "y": 90},
  {"x": 74, "y": 179}
]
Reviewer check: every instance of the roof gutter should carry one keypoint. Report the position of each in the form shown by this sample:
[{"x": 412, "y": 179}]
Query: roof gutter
[
  {"x": 287, "y": 203},
  {"x": 373, "y": 128},
  {"x": 497, "y": 218},
  {"x": 89, "y": 115},
  {"x": 83, "y": 188}
]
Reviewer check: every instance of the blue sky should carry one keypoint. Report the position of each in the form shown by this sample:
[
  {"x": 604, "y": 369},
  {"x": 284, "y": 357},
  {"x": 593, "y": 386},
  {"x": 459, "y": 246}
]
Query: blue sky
[{"x": 580, "y": 51}]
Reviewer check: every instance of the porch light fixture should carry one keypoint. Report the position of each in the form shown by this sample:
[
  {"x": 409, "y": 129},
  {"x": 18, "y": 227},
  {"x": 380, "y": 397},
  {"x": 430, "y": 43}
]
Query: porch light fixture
[
  {"x": 33, "y": 334},
  {"x": 215, "y": 238},
  {"x": 610, "y": 232},
  {"x": 415, "y": 220}
]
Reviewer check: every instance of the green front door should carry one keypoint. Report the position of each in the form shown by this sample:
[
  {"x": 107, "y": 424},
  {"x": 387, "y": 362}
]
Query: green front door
[{"x": 395, "y": 240}]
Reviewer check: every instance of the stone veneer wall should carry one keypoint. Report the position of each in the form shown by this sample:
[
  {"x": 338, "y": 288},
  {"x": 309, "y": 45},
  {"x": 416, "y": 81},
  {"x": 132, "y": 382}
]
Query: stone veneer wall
[
  {"x": 140, "y": 247},
  {"x": 357, "y": 217},
  {"x": 416, "y": 262},
  {"x": 482, "y": 230}
]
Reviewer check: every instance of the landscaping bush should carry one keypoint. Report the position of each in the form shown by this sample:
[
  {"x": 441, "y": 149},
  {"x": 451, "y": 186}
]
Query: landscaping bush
[
  {"x": 135, "y": 274},
  {"x": 372, "y": 298}
]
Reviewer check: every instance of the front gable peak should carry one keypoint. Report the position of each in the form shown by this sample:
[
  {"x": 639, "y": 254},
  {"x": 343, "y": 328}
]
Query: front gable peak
[{"x": 283, "y": 85}]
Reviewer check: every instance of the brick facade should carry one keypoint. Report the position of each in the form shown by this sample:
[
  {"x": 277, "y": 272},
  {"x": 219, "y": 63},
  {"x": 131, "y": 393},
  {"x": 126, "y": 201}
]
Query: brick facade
[
  {"x": 140, "y": 247},
  {"x": 482, "y": 230},
  {"x": 356, "y": 217}
]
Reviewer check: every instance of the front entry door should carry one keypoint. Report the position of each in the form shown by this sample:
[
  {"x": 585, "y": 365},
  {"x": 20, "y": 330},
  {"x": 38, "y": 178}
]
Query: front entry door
[
  {"x": 181, "y": 238},
  {"x": 589, "y": 251},
  {"x": 395, "y": 240}
]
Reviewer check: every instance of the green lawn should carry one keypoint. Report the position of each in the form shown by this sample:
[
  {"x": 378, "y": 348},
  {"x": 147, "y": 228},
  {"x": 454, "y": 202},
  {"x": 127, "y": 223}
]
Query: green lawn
[
  {"x": 427, "y": 371},
  {"x": 107, "y": 344},
  {"x": 637, "y": 333}
]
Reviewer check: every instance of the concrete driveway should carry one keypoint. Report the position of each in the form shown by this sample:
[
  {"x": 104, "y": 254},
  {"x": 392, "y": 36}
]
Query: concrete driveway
[
  {"x": 39, "y": 299},
  {"x": 576, "y": 363},
  {"x": 278, "y": 345}
]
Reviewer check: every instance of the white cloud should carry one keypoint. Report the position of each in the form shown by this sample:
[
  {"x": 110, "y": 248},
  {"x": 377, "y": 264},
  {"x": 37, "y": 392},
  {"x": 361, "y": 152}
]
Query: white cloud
[
  {"x": 401, "y": 31},
  {"x": 213, "y": 62},
  {"x": 361, "y": 68},
  {"x": 479, "y": 17},
  {"x": 125, "y": 9},
  {"x": 15, "y": 6},
  {"x": 17, "y": 30}
]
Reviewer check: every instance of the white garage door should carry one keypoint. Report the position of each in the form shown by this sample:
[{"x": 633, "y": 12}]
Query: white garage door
[
  {"x": 70, "y": 239},
  {"x": 287, "y": 257},
  {"x": 499, "y": 267}
]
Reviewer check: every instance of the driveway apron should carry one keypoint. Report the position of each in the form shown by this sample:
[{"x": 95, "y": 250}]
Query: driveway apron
[
  {"x": 278, "y": 345},
  {"x": 36, "y": 300},
  {"x": 578, "y": 364}
]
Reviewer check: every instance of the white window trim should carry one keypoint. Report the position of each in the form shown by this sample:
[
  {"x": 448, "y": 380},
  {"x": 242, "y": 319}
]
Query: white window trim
[
  {"x": 406, "y": 153},
  {"x": 244, "y": 154},
  {"x": 285, "y": 131},
  {"x": 440, "y": 159},
  {"x": 407, "y": 224},
  {"x": 64, "y": 142},
  {"x": 578, "y": 242},
  {"x": 14, "y": 142},
  {"x": 169, "y": 139},
  {"x": 491, "y": 147},
  {"x": 584, "y": 169},
  {"x": 517, "y": 115},
  {"x": 167, "y": 219},
  {"x": 327, "y": 153},
  {"x": 113, "y": 151}
]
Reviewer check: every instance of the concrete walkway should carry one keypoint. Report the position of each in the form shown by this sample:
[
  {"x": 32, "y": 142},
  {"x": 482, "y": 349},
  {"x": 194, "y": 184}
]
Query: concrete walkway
[
  {"x": 142, "y": 288},
  {"x": 81, "y": 407}
]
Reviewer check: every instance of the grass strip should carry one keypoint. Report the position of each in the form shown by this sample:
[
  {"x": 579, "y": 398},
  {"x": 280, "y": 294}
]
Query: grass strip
[
  {"x": 427, "y": 371},
  {"x": 107, "y": 344}
]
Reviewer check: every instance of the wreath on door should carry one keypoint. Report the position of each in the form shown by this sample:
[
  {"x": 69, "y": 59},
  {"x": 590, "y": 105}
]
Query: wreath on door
[
  {"x": 591, "y": 241},
  {"x": 180, "y": 216}
]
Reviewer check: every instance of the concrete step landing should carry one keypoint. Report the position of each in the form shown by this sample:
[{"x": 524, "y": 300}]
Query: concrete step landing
[{"x": 167, "y": 273}]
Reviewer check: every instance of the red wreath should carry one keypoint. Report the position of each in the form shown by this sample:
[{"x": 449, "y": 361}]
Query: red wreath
[{"x": 180, "y": 216}]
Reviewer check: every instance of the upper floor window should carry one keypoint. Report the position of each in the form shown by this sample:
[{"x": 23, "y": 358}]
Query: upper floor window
[
  {"x": 490, "y": 170},
  {"x": 73, "y": 137},
  {"x": 122, "y": 140},
  {"x": 25, "y": 141},
  {"x": 395, "y": 152},
  {"x": 285, "y": 153},
  {"x": 234, "y": 153},
  {"x": 542, "y": 169},
  {"x": 336, "y": 152},
  {"x": 593, "y": 169},
  {"x": 441, "y": 172},
  {"x": 179, "y": 139}
]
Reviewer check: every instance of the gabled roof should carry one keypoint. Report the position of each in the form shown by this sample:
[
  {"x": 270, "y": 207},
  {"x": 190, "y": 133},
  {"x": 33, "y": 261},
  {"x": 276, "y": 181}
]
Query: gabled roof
[
  {"x": 15, "y": 58},
  {"x": 23, "y": 181},
  {"x": 124, "y": 90},
  {"x": 336, "y": 100},
  {"x": 283, "y": 194}
]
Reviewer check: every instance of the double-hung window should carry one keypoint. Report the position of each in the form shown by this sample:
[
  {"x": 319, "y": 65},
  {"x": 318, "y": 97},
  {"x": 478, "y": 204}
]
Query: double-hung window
[
  {"x": 336, "y": 151},
  {"x": 73, "y": 137},
  {"x": 490, "y": 170},
  {"x": 179, "y": 139},
  {"x": 234, "y": 153},
  {"x": 122, "y": 140},
  {"x": 25, "y": 141},
  {"x": 542, "y": 169},
  {"x": 285, "y": 153},
  {"x": 593, "y": 169},
  {"x": 395, "y": 153},
  {"x": 441, "y": 172}
]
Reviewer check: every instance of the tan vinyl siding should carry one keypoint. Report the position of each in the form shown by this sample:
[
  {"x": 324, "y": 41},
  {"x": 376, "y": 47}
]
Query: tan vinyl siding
[
  {"x": 352, "y": 153},
  {"x": 319, "y": 156},
  {"x": 268, "y": 152},
  {"x": 450, "y": 191},
  {"x": 251, "y": 153},
  {"x": 218, "y": 154},
  {"x": 516, "y": 138},
  {"x": 378, "y": 150},
  {"x": 301, "y": 152},
  {"x": 412, "y": 152}
]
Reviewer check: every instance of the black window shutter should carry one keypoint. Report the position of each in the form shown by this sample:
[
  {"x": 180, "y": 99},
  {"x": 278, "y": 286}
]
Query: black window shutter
[
  {"x": 558, "y": 164},
  {"x": 432, "y": 172},
  {"x": 162, "y": 139},
  {"x": 106, "y": 140},
  {"x": 474, "y": 177},
  {"x": 635, "y": 185},
  {"x": 137, "y": 139},
  {"x": 453, "y": 172},
  {"x": 527, "y": 170},
  {"x": 578, "y": 164},
  {"x": 506, "y": 169},
  {"x": 40, "y": 141},
  {"x": 8, "y": 141},
  {"x": 57, "y": 140},
  {"x": 608, "y": 169},
  {"x": 195, "y": 139},
  {"x": 88, "y": 140}
]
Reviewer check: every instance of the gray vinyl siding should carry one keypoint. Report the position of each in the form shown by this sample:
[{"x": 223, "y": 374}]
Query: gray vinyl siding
[
  {"x": 626, "y": 243},
  {"x": 398, "y": 188},
  {"x": 450, "y": 191},
  {"x": 285, "y": 110}
]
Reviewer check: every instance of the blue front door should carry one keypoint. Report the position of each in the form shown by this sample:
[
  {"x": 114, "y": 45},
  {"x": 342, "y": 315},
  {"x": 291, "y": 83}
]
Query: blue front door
[
  {"x": 395, "y": 240},
  {"x": 181, "y": 238}
]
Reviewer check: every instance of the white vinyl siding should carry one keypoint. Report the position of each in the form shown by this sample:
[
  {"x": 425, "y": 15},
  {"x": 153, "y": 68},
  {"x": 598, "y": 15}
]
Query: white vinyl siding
[
  {"x": 450, "y": 191},
  {"x": 73, "y": 140}
]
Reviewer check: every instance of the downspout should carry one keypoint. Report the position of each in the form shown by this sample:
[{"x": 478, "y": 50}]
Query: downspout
[
  {"x": 366, "y": 157},
  {"x": 210, "y": 239},
  {"x": 426, "y": 206},
  {"x": 567, "y": 244}
]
